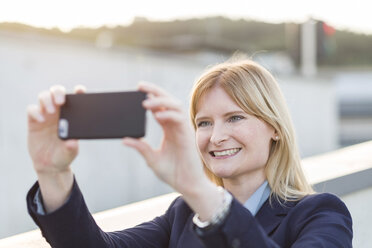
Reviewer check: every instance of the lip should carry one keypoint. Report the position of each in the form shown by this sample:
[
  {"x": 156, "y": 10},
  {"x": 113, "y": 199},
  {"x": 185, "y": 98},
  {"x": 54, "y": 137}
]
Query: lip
[{"x": 225, "y": 156}]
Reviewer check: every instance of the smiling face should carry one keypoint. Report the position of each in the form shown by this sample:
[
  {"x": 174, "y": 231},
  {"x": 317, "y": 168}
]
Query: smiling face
[{"x": 232, "y": 143}]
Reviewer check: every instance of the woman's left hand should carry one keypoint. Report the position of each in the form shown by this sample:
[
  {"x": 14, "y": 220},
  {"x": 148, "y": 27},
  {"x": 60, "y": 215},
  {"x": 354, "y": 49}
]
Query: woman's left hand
[{"x": 176, "y": 162}]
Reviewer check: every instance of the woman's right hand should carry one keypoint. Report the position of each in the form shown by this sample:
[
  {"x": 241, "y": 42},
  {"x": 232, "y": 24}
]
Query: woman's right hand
[{"x": 50, "y": 155}]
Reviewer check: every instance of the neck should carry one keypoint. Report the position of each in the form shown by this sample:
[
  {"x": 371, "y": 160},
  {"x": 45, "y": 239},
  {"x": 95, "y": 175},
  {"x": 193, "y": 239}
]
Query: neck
[{"x": 244, "y": 186}]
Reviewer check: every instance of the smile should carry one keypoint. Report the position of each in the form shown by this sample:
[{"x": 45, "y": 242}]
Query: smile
[{"x": 225, "y": 153}]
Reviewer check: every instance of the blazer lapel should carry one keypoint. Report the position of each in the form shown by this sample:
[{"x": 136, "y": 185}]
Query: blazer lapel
[{"x": 271, "y": 215}]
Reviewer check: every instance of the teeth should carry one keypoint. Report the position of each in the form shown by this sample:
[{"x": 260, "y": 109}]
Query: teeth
[{"x": 226, "y": 152}]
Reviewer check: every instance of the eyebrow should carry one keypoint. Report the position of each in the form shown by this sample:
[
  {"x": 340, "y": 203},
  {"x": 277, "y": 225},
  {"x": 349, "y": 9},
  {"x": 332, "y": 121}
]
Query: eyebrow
[{"x": 226, "y": 114}]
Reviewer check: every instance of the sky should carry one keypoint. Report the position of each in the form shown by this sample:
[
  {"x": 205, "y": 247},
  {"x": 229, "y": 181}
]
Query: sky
[{"x": 352, "y": 15}]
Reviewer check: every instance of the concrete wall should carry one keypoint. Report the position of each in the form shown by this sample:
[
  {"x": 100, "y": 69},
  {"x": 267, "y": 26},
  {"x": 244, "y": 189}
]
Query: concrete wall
[
  {"x": 313, "y": 105},
  {"x": 109, "y": 174}
]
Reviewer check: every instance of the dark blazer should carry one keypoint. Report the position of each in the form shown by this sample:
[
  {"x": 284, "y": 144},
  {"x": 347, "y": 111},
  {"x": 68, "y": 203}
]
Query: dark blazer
[{"x": 320, "y": 220}]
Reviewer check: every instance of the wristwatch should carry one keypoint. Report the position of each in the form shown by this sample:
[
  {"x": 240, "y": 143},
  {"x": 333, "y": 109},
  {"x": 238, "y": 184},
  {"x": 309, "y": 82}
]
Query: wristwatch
[{"x": 220, "y": 215}]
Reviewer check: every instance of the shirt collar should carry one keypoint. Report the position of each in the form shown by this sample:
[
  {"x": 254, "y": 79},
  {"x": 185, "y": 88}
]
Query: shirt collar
[{"x": 254, "y": 203}]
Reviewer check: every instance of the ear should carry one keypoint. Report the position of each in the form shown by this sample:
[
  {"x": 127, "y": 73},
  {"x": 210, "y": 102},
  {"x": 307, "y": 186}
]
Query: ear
[{"x": 275, "y": 136}]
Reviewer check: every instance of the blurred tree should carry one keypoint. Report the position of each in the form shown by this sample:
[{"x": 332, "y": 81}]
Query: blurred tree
[
  {"x": 221, "y": 34},
  {"x": 293, "y": 41}
]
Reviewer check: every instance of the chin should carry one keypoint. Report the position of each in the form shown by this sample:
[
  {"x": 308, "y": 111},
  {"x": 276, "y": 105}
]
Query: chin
[{"x": 222, "y": 173}]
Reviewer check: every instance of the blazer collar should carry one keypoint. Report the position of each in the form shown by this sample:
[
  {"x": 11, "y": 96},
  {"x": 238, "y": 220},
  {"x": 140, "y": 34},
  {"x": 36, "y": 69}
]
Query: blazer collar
[{"x": 271, "y": 214}]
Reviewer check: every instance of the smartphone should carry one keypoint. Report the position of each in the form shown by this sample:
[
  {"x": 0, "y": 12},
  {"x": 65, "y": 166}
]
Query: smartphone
[{"x": 102, "y": 116}]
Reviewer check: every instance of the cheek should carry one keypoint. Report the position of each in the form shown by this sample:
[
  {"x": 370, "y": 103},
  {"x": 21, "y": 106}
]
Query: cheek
[
  {"x": 243, "y": 133},
  {"x": 263, "y": 135},
  {"x": 201, "y": 141},
  {"x": 255, "y": 135}
]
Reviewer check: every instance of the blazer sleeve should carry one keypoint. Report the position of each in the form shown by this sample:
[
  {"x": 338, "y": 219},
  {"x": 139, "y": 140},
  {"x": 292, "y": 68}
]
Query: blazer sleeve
[
  {"x": 72, "y": 226},
  {"x": 320, "y": 220},
  {"x": 240, "y": 229}
]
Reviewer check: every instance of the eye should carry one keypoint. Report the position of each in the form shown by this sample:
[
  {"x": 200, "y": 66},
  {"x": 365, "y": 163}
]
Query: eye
[
  {"x": 235, "y": 118},
  {"x": 203, "y": 123}
]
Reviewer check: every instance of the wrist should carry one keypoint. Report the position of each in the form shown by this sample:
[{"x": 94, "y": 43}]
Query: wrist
[
  {"x": 219, "y": 215},
  {"x": 55, "y": 177},
  {"x": 205, "y": 199},
  {"x": 201, "y": 192},
  {"x": 55, "y": 188}
]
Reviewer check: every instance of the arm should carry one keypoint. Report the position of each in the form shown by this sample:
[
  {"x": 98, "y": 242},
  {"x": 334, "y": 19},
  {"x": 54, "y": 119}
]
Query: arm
[
  {"x": 72, "y": 225},
  {"x": 320, "y": 220},
  {"x": 51, "y": 156},
  {"x": 239, "y": 229}
]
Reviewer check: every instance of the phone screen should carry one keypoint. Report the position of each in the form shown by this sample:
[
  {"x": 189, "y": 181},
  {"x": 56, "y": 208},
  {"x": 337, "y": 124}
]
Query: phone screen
[{"x": 103, "y": 115}]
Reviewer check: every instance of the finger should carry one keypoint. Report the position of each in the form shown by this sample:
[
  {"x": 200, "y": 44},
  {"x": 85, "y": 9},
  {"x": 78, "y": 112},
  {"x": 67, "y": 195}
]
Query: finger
[
  {"x": 168, "y": 116},
  {"x": 142, "y": 147},
  {"x": 72, "y": 144},
  {"x": 58, "y": 94},
  {"x": 80, "y": 89},
  {"x": 161, "y": 103},
  {"x": 151, "y": 88},
  {"x": 46, "y": 102},
  {"x": 34, "y": 113}
]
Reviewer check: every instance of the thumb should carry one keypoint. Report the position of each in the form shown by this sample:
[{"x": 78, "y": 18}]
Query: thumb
[
  {"x": 142, "y": 147},
  {"x": 72, "y": 147},
  {"x": 72, "y": 144}
]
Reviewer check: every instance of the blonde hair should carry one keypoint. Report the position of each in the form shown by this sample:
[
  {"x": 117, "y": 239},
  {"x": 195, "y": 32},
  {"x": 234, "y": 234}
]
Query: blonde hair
[{"x": 256, "y": 91}]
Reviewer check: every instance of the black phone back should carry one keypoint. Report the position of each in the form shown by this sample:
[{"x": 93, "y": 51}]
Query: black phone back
[{"x": 103, "y": 116}]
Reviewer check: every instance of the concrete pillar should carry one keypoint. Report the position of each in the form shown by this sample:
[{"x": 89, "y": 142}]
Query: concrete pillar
[{"x": 308, "y": 48}]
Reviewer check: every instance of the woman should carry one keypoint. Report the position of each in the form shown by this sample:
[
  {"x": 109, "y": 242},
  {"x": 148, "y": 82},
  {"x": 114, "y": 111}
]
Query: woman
[{"x": 254, "y": 194}]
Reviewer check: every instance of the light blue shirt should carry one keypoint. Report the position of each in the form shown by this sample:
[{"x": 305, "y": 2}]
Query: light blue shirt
[
  {"x": 39, "y": 203},
  {"x": 255, "y": 202}
]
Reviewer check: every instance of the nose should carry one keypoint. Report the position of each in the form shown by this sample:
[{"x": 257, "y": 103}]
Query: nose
[{"x": 219, "y": 135}]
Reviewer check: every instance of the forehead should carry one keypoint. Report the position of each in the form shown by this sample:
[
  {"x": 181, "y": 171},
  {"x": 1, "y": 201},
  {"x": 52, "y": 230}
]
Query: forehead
[{"x": 216, "y": 100}]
